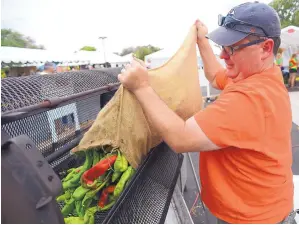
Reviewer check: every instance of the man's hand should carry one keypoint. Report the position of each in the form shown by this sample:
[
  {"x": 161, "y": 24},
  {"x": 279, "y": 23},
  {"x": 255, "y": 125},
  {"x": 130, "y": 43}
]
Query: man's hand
[
  {"x": 202, "y": 31},
  {"x": 134, "y": 76}
]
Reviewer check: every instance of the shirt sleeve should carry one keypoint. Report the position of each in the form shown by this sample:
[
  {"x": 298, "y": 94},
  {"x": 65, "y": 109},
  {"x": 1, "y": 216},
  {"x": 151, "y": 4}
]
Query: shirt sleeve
[
  {"x": 234, "y": 119},
  {"x": 221, "y": 79}
]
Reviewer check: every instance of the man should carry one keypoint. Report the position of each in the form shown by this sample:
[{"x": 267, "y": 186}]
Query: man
[
  {"x": 244, "y": 136},
  {"x": 49, "y": 68}
]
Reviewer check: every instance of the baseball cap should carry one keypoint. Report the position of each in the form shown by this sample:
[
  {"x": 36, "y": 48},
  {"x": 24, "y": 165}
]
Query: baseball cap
[{"x": 251, "y": 18}]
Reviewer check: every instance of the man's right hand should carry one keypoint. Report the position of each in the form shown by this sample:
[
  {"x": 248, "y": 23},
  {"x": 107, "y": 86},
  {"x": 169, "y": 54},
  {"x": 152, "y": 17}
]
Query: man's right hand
[
  {"x": 202, "y": 31},
  {"x": 210, "y": 63}
]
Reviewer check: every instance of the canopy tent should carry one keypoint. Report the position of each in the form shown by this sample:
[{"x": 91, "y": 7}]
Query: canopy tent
[
  {"x": 26, "y": 55},
  {"x": 289, "y": 42},
  {"x": 13, "y": 55},
  {"x": 290, "y": 37},
  {"x": 128, "y": 57}
]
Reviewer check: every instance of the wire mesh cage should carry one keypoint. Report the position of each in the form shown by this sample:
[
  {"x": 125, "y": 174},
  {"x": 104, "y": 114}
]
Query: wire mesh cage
[
  {"x": 55, "y": 130},
  {"x": 18, "y": 92}
]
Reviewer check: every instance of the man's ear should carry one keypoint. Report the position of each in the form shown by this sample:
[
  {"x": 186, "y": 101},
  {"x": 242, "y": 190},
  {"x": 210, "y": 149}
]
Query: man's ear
[{"x": 267, "y": 46}]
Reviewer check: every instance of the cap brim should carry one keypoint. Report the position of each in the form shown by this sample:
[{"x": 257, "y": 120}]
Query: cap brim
[{"x": 226, "y": 37}]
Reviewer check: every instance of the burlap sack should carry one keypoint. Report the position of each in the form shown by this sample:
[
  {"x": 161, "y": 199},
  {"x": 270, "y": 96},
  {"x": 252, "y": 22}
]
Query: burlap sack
[{"x": 122, "y": 123}]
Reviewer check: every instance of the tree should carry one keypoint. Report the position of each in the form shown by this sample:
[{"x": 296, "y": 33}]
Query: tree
[
  {"x": 88, "y": 48},
  {"x": 288, "y": 11},
  {"x": 16, "y": 39},
  {"x": 127, "y": 51},
  {"x": 142, "y": 51}
]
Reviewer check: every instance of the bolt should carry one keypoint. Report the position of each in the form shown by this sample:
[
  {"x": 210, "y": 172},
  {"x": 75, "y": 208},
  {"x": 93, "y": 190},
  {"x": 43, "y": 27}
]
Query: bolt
[
  {"x": 39, "y": 163},
  {"x": 28, "y": 146},
  {"x": 50, "y": 178}
]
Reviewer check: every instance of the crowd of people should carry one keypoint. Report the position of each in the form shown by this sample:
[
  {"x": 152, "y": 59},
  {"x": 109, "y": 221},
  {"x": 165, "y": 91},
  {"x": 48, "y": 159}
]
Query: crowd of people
[{"x": 292, "y": 72}]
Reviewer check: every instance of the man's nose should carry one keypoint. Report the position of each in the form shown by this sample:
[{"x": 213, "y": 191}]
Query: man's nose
[{"x": 224, "y": 54}]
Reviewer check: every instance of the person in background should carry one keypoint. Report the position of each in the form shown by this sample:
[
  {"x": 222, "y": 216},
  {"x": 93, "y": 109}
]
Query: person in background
[
  {"x": 4, "y": 74},
  {"x": 148, "y": 64},
  {"x": 49, "y": 68},
  {"x": 293, "y": 69},
  {"x": 279, "y": 61}
]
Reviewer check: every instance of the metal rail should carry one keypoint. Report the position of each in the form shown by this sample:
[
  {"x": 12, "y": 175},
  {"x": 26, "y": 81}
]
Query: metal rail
[{"x": 51, "y": 103}]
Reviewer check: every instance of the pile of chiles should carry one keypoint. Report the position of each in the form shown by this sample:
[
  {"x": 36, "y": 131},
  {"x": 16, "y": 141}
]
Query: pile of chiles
[{"x": 94, "y": 186}]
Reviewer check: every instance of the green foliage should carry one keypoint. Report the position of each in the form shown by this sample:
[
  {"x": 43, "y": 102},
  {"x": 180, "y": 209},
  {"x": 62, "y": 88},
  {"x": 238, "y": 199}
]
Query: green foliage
[
  {"x": 127, "y": 51},
  {"x": 16, "y": 39},
  {"x": 288, "y": 11},
  {"x": 142, "y": 51},
  {"x": 88, "y": 48}
]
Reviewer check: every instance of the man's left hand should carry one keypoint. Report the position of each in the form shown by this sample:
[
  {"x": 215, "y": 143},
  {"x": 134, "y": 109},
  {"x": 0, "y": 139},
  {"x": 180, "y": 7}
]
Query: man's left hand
[{"x": 134, "y": 77}]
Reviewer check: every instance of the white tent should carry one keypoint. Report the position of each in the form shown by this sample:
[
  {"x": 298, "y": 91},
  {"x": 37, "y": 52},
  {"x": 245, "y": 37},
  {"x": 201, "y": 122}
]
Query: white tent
[
  {"x": 38, "y": 56},
  {"x": 289, "y": 42},
  {"x": 290, "y": 37},
  {"x": 128, "y": 57},
  {"x": 23, "y": 55}
]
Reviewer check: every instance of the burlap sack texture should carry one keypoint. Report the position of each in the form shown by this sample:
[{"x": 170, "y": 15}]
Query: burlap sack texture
[{"x": 122, "y": 123}]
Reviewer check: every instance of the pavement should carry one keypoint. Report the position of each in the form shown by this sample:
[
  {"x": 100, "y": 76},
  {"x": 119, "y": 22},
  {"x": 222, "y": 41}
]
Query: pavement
[{"x": 199, "y": 213}]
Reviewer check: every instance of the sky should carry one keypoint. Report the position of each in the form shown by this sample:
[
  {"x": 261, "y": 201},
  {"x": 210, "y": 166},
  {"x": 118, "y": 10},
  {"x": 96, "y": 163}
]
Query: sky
[{"x": 68, "y": 25}]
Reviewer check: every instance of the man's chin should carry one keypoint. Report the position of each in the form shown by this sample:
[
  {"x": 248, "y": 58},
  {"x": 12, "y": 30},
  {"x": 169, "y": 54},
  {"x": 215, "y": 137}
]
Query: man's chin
[{"x": 231, "y": 73}]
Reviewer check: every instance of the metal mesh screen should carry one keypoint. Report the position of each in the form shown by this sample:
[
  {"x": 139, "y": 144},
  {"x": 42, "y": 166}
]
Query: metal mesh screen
[
  {"x": 18, "y": 92},
  {"x": 52, "y": 129},
  {"x": 146, "y": 200}
]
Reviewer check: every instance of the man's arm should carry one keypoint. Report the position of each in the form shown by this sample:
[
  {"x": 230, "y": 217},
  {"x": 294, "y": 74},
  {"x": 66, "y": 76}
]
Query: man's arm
[
  {"x": 181, "y": 136},
  {"x": 210, "y": 62}
]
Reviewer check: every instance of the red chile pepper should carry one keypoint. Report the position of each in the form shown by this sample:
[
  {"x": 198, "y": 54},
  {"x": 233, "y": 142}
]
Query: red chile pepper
[
  {"x": 104, "y": 195},
  {"x": 98, "y": 170}
]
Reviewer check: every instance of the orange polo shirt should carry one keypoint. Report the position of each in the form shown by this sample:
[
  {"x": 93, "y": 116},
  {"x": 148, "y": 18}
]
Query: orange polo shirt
[{"x": 250, "y": 180}]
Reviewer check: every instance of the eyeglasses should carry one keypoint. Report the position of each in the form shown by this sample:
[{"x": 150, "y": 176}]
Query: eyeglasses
[
  {"x": 231, "y": 49},
  {"x": 232, "y": 23}
]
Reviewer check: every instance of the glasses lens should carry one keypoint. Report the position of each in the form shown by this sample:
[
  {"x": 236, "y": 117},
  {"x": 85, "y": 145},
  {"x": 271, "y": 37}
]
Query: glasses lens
[
  {"x": 220, "y": 20},
  {"x": 227, "y": 50}
]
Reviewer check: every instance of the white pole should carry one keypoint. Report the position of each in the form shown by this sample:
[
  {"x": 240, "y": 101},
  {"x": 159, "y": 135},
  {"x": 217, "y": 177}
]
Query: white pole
[
  {"x": 208, "y": 90},
  {"x": 103, "y": 43}
]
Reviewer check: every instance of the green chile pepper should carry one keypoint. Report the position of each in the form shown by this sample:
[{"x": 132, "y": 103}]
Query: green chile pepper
[
  {"x": 96, "y": 157},
  {"x": 106, "y": 207},
  {"x": 128, "y": 182},
  {"x": 87, "y": 200},
  {"x": 89, "y": 215},
  {"x": 73, "y": 182},
  {"x": 116, "y": 175},
  {"x": 124, "y": 164},
  {"x": 73, "y": 220},
  {"x": 67, "y": 195},
  {"x": 79, "y": 193},
  {"x": 68, "y": 207},
  {"x": 72, "y": 172},
  {"x": 79, "y": 209},
  {"x": 118, "y": 162},
  {"x": 121, "y": 183}
]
